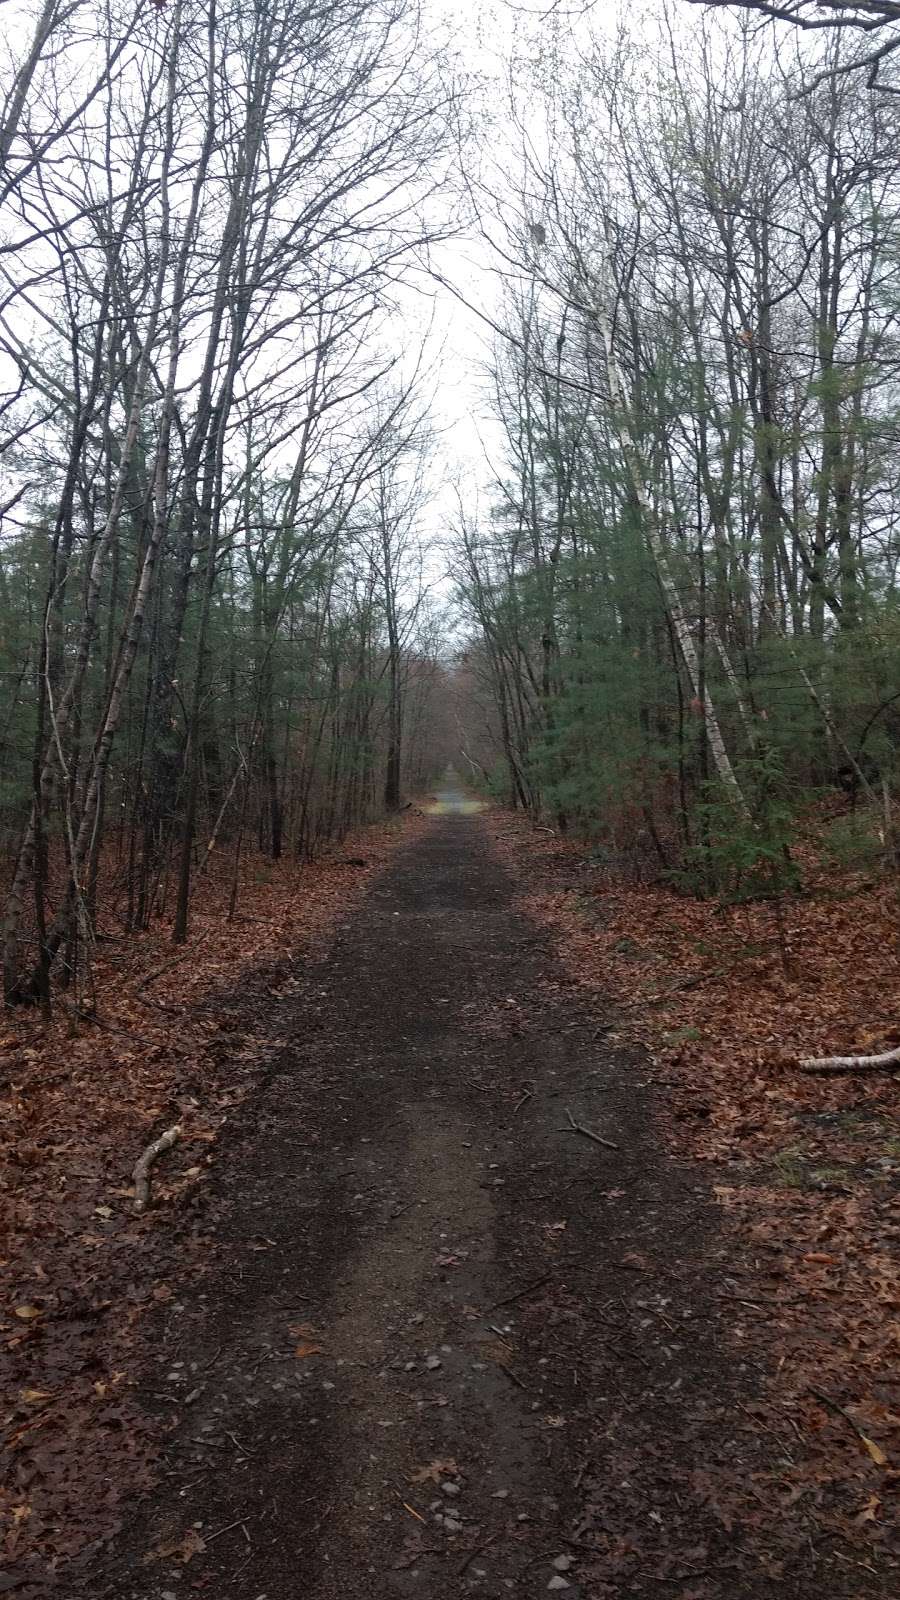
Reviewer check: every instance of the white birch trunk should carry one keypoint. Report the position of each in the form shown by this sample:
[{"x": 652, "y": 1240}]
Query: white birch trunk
[{"x": 638, "y": 475}]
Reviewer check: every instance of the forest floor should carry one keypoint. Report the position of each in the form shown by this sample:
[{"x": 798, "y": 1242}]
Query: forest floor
[{"x": 505, "y": 1251}]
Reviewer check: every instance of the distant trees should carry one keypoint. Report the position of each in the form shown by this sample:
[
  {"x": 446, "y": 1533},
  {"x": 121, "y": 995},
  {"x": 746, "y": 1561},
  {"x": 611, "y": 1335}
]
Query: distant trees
[{"x": 205, "y": 209}]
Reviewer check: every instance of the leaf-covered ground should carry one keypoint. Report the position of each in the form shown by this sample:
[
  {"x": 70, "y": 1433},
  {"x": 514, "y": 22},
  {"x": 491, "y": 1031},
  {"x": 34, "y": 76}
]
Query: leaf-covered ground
[{"x": 806, "y": 1169}]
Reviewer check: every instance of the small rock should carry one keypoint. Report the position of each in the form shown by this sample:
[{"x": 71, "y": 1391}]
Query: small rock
[
  {"x": 450, "y": 1489},
  {"x": 559, "y": 1583},
  {"x": 500, "y": 1494},
  {"x": 433, "y": 1363},
  {"x": 452, "y": 1526},
  {"x": 563, "y": 1564}
]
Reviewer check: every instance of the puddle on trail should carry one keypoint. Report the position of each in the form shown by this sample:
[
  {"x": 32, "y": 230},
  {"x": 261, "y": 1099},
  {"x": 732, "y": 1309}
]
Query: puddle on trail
[{"x": 451, "y": 799}]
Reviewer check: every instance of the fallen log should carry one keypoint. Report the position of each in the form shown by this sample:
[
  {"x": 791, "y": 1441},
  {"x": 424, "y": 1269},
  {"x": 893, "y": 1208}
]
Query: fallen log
[
  {"x": 826, "y": 1065},
  {"x": 141, "y": 1173}
]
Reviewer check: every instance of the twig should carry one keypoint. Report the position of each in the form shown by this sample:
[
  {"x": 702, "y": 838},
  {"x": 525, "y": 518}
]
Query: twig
[
  {"x": 510, "y": 1374},
  {"x": 242, "y": 1447},
  {"x": 682, "y": 987},
  {"x": 240, "y": 1523},
  {"x": 474, "y": 1554},
  {"x": 407, "y": 1507},
  {"x": 106, "y": 1027},
  {"x": 838, "y": 1410},
  {"x": 578, "y": 1127},
  {"x": 528, "y": 1095},
  {"x": 175, "y": 961},
  {"x": 141, "y": 1173},
  {"x": 510, "y": 1299}
]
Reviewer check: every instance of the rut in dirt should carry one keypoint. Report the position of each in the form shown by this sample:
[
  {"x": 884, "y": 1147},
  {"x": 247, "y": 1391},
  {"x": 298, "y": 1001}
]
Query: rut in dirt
[{"x": 446, "y": 1344}]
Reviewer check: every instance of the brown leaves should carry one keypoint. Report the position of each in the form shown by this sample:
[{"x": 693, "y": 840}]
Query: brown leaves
[
  {"x": 306, "y": 1334},
  {"x": 81, "y": 1100},
  {"x": 183, "y": 1549},
  {"x": 806, "y": 1169}
]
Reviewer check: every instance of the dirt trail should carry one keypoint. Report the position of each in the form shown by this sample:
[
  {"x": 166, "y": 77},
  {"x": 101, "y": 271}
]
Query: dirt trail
[{"x": 431, "y": 1299}]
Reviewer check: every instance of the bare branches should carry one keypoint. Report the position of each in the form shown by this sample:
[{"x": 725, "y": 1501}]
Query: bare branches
[
  {"x": 862, "y": 17},
  {"x": 865, "y": 15},
  {"x": 202, "y": 240}
]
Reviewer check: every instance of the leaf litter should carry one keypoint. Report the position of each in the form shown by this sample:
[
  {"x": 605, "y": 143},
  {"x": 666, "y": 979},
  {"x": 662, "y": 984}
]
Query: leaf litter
[
  {"x": 171, "y": 1039},
  {"x": 805, "y": 1169}
]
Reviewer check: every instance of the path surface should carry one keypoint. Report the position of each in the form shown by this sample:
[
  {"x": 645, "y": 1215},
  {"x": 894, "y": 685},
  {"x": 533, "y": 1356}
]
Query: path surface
[{"x": 448, "y": 1346}]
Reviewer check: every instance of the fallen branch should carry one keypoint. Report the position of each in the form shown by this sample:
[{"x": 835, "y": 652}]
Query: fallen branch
[
  {"x": 106, "y": 1027},
  {"x": 174, "y": 961},
  {"x": 828, "y": 1064},
  {"x": 578, "y": 1127},
  {"x": 141, "y": 1174}
]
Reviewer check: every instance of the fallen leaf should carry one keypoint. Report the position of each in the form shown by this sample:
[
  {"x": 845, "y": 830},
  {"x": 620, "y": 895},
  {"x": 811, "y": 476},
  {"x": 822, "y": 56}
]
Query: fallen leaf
[
  {"x": 636, "y": 1262},
  {"x": 184, "y": 1549},
  {"x": 875, "y": 1451},
  {"x": 435, "y": 1471},
  {"x": 28, "y": 1313},
  {"x": 303, "y": 1350},
  {"x": 869, "y": 1512}
]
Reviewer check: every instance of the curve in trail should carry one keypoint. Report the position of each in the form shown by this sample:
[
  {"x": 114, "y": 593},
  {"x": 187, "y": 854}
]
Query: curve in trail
[{"x": 448, "y": 1345}]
